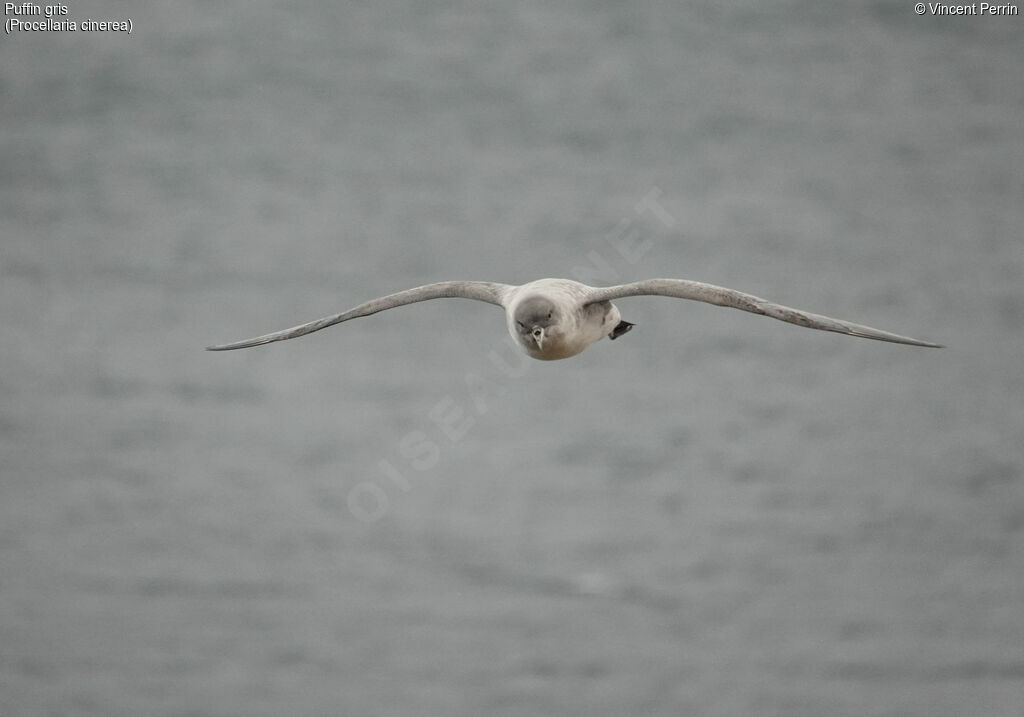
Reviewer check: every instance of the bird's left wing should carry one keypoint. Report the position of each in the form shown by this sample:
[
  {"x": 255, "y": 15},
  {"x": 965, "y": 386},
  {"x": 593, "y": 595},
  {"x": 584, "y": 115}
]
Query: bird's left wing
[
  {"x": 720, "y": 296},
  {"x": 491, "y": 292}
]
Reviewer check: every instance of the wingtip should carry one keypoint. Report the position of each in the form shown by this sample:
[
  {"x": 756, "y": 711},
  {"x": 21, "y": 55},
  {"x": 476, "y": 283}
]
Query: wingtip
[
  {"x": 923, "y": 344},
  {"x": 926, "y": 344},
  {"x": 248, "y": 343},
  {"x": 225, "y": 347},
  {"x": 878, "y": 335}
]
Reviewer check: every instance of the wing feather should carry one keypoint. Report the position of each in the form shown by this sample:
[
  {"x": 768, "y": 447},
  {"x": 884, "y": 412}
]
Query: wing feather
[
  {"x": 491, "y": 292},
  {"x": 720, "y": 296}
]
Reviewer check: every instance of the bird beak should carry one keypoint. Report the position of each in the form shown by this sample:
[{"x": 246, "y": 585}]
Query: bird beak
[{"x": 538, "y": 337}]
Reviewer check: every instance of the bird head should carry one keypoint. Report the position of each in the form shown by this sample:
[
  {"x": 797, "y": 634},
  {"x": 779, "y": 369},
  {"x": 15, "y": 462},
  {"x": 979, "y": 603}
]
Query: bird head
[{"x": 534, "y": 318}]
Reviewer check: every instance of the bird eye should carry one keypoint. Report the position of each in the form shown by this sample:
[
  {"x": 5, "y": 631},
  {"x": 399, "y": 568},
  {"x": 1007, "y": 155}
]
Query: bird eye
[
  {"x": 549, "y": 314},
  {"x": 521, "y": 324}
]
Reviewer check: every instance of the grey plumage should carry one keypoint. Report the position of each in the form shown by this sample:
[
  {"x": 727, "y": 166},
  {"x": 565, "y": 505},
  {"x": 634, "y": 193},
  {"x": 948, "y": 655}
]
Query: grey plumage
[
  {"x": 487, "y": 291},
  {"x": 720, "y": 296},
  {"x": 580, "y": 314}
]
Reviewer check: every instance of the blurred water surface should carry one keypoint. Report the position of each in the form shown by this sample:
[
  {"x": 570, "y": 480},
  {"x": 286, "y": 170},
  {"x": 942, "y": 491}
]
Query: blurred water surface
[{"x": 716, "y": 515}]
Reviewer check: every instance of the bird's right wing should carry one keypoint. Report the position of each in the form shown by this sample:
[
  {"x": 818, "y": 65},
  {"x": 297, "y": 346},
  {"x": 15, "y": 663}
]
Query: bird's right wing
[
  {"x": 720, "y": 296},
  {"x": 491, "y": 292}
]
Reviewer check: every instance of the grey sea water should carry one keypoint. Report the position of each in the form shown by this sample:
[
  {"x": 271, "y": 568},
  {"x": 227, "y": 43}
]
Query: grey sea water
[{"x": 718, "y": 514}]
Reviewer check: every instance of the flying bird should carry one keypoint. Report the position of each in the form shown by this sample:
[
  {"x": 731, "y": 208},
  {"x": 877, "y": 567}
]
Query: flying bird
[{"x": 554, "y": 319}]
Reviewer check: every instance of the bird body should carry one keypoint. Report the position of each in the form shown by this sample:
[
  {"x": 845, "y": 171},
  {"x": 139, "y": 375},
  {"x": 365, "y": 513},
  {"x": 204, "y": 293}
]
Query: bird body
[
  {"x": 557, "y": 308},
  {"x": 554, "y": 319}
]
